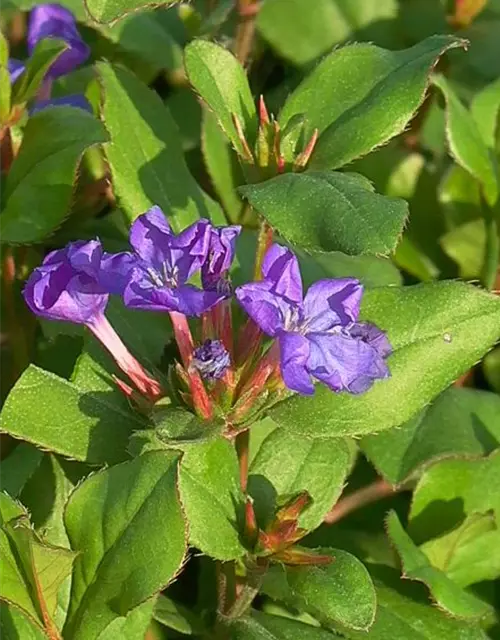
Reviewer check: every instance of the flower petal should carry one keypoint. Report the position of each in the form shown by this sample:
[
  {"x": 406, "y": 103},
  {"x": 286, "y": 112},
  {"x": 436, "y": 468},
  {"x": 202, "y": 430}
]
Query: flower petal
[
  {"x": 294, "y": 354},
  {"x": 189, "y": 249},
  {"x": 265, "y": 308},
  {"x": 54, "y": 21},
  {"x": 115, "y": 271},
  {"x": 220, "y": 254},
  {"x": 150, "y": 237},
  {"x": 344, "y": 363},
  {"x": 331, "y": 302},
  {"x": 281, "y": 267}
]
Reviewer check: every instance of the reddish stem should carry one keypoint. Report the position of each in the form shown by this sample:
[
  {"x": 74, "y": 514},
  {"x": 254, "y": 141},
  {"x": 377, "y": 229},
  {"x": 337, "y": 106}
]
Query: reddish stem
[{"x": 371, "y": 493}]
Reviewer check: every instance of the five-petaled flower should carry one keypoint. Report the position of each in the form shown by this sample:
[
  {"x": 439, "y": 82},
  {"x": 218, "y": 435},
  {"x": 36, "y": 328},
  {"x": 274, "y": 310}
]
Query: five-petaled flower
[
  {"x": 319, "y": 335},
  {"x": 72, "y": 285},
  {"x": 163, "y": 262}
]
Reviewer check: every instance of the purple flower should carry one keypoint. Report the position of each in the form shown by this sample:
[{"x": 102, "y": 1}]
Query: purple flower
[
  {"x": 318, "y": 334},
  {"x": 211, "y": 360},
  {"x": 16, "y": 68},
  {"x": 220, "y": 257},
  {"x": 69, "y": 286},
  {"x": 54, "y": 21},
  {"x": 164, "y": 262},
  {"x": 66, "y": 286}
]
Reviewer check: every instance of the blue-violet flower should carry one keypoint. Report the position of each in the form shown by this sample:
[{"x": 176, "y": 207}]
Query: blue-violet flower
[
  {"x": 211, "y": 360},
  {"x": 55, "y": 21},
  {"x": 68, "y": 286},
  {"x": 319, "y": 335},
  {"x": 163, "y": 262},
  {"x": 220, "y": 257}
]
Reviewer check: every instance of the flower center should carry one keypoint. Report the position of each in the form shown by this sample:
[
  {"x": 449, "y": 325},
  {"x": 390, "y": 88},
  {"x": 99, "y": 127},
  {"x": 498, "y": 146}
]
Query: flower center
[
  {"x": 211, "y": 359},
  {"x": 168, "y": 277}
]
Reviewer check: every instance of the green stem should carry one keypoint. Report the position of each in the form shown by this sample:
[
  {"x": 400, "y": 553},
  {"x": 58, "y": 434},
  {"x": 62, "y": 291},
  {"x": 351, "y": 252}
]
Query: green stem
[{"x": 491, "y": 251}]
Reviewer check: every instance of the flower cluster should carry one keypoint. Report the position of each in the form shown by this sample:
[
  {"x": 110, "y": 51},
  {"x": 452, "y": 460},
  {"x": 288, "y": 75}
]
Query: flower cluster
[
  {"x": 54, "y": 21},
  {"x": 316, "y": 335}
]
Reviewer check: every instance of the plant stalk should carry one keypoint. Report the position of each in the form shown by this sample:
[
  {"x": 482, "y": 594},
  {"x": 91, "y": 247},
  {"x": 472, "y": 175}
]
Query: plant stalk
[
  {"x": 371, "y": 493},
  {"x": 247, "y": 12},
  {"x": 242, "y": 449}
]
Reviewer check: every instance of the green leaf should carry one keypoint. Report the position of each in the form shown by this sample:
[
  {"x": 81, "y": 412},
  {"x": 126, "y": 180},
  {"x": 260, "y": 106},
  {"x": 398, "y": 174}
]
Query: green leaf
[
  {"x": 415, "y": 565},
  {"x": 16, "y": 625},
  {"x": 222, "y": 83},
  {"x": 262, "y": 626},
  {"x": 286, "y": 464},
  {"x": 484, "y": 109},
  {"x": 56, "y": 415},
  {"x": 45, "y": 495},
  {"x": 39, "y": 186},
  {"x": 34, "y": 570},
  {"x": 466, "y": 246},
  {"x": 454, "y": 489},
  {"x": 44, "y": 55},
  {"x": 211, "y": 495},
  {"x": 145, "y": 153},
  {"x": 329, "y": 211},
  {"x": 467, "y": 145},
  {"x": 176, "y": 616},
  {"x": 491, "y": 366},
  {"x": 108, "y": 11},
  {"x": 109, "y": 518},
  {"x": 144, "y": 34},
  {"x": 404, "y": 612},
  {"x": 301, "y": 35},
  {"x": 360, "y": 96},
  {"x": 470, "y": 553},
  {"x": 459, "y": 422},
  {"x": 18, "y": 468},
  {"x": 132, "y": 626},
  {"x": 437, "y": 330},
  {"x": 338, "y": 593},
  {"x": 220, "y": 165},
  {"x": 372, "y": 271}
]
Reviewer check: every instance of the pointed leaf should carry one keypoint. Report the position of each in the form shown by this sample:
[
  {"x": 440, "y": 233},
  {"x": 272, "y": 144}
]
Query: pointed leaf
[
  {"x": 108, "y": 11},
  {"x": 44, "y": 55},
  {"x": 459, "y": 422},
  {"x": 467, "y": 145},
  {"x": 211, "y": 495},
  {"x": 338, "y": 593},
  {"x": 34, "y": 570},
  {"x": 454, "y": 489},
  {"x": 485, "y": 109},
  {"x": 109, "y": 518},
  {"x": 331, "y": 211},
  {"x": 360, "y": 96},
  {"x": 145, "y": 153},
  {"x": 286, "y": 464},
  {"x": 262, "y": 626},
  {"x": 404, "y": 612},
  {"x": 222, "y": 83},
  {"x": 18, "y": 468},
  {"x": 16, "y": 625},
  {"x": 58, "y": 416},
  {"x": 40, "y": 183},
  {"x": 437, "y": 331},
  {"x": 416, "y": 566}
]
